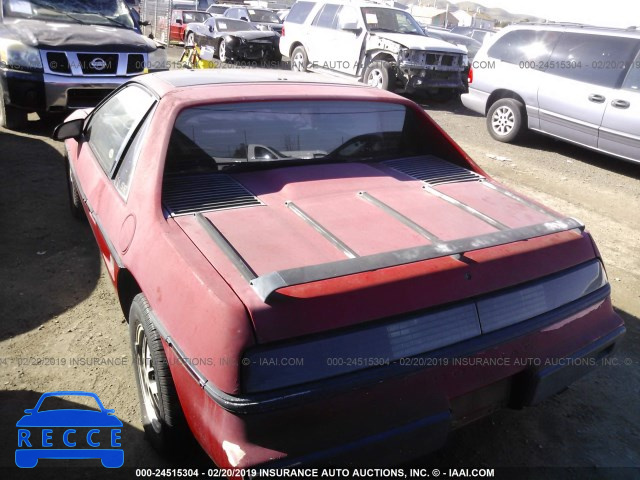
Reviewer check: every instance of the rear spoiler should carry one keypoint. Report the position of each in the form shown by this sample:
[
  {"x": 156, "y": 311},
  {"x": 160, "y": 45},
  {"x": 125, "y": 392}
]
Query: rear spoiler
[{"x": 267, "y": 285}]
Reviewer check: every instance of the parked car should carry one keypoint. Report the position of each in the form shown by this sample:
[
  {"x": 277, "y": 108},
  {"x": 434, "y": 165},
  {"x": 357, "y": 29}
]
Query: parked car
[
  {"x": 469, "y": 44},
  {"x": 234, "y": 39},
  {"x": 261, "y": 18},
  {"x": 577, "y": 83},
  {"x": 479, "y": 34},
  {"x": 278, "y": 305},
  {"x": 56, "y": 56},
  {"x": 218, "y": 10},
  {"x": 181, "y": 18},
  {"x": 378, "y": 45}
]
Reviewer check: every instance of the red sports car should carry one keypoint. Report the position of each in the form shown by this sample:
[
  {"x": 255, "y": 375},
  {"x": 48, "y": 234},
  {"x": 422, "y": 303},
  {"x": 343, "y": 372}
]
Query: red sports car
[
  {"x": 296, "y": 256},
  {"x": 179, "y": 21}
]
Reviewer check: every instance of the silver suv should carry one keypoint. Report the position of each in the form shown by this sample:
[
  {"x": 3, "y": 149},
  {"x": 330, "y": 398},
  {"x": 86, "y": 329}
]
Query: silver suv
[
  {"x": 381, "y": 46},
  {"x": 577, "y": 83}
]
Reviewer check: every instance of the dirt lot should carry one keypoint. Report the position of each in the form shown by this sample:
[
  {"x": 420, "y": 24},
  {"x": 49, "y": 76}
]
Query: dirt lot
[{"x": 58, "y": 307}]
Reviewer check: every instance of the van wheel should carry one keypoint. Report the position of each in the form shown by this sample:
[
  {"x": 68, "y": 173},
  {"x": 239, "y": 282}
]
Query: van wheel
[
  {"x": 164, "y": 423},
  {"x": 506, "y": 120},
  {"x": 378, "y": 75},
  {"x": 299, "y": 59},
  {"x": 11, "y": 118}
]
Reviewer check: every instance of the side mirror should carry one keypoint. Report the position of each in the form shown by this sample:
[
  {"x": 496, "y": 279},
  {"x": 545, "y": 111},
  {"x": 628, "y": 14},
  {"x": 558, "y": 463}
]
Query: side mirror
[
  {"x": 71, "y": 129},
  {"x": 211, "y": 28},
  {"x": 244, "y": 18},
  {"x": 29, "y": 411},
  {"x": 351, "y": 27},
  {"x": 144, "y": 23},
  {"x": 178, "y": 21}
]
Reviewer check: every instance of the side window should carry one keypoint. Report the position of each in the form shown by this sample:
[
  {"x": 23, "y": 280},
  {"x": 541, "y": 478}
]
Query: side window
[
  {"x": 347, "y": 15},
  {"x": 632, "y": 82},
  {"x": 125, "y": 171},
  {"x": 299, "y": 12},
  {"x": 598, "y": 59},
  {"x": 524, "y": 46},
  {"x": 326, "y": 16},
  {"x": 111, "y": 126},
  {"x": 231, "y": 13}
]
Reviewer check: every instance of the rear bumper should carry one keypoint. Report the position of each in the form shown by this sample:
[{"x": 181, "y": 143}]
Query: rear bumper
[
  {"x": 475, "y": 100},
  {"x": 423, "y": 399}
]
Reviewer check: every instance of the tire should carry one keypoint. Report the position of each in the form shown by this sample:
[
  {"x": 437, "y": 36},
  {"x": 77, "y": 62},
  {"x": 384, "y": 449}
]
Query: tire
[
  {"x": 378, "y": 75},
  {"x": 162, "y": 417},
  {"x": 75, "y": 202},
  {"x": 222, "y": 52},
  {"x": 299, "y": 59},
  {"x": 506, "y": 120},
  {"x": 190, "y": 39},
  {"x": 11, "y": 118}
]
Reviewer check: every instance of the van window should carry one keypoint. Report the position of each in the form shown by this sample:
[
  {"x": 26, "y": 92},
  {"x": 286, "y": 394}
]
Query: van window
[
  {"x": 299, "y": 12},
  {"x": 597, "y": 59},
  {"x": 527, "y": 48},
  {"x": 632, "y": 81},
  {"x": 327, "y": 16}
]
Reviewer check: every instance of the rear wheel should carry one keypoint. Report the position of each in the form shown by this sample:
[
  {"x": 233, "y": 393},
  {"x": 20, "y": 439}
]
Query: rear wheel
[
  {"x": 162, "y": 417},
  {"x": 10, "y": 117},
  {"x": 299, "y": 59},
  {"x": 506, "y": 120}
]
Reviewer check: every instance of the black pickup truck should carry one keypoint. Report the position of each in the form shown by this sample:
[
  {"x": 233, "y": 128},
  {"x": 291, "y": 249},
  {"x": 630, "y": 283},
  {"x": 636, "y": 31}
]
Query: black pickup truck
[{"x": 58, "y": 55}]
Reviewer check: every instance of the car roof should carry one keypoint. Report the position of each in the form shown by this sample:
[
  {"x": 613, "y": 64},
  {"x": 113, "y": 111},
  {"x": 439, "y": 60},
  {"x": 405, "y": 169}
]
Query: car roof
[
  {"x": 632, "y": 32},
  {"x": 164, "y": 82}
]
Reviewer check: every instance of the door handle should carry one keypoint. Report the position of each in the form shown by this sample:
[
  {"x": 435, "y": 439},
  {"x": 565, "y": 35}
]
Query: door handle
[
  {"x": 595, "y": 98},
  {"x": 621, "y": 104}
]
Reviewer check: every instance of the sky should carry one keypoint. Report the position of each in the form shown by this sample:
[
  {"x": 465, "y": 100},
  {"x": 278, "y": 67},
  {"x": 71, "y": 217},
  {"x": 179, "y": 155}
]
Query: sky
[{"x": 610, "y": 13}]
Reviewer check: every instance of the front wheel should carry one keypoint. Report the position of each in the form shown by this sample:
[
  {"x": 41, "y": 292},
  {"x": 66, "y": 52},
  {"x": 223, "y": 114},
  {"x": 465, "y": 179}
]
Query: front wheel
[
  {"x": 222, "y": 51},
  {"x": 299, "y": 59},
  {"x": 378, "y": 75},
  {"x": 191, "y": 39},
  {"x": 75, "y": 202},
  {"x": 506, "y": 120},
  {"x": 162, "y": 418}
]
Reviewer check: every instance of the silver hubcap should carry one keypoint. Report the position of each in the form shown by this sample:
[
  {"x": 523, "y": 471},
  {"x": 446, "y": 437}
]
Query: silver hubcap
[
  {"x": 375, "y": 78},
  {"x": 147, "y": 376},
  {"x": 503, "y": 120},
  {"x": 223, "y": 54},
  {"x": 297, "y": 63}
]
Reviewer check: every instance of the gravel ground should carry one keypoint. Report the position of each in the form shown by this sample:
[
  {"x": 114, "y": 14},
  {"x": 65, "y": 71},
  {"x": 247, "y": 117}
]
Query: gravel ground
[{"x": 58, "y": 305}]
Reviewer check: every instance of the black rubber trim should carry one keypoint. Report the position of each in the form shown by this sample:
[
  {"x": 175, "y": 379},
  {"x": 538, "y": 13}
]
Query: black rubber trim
[
  {"x": 286, "y": 397},
  {"x": 266, "y": 285}
]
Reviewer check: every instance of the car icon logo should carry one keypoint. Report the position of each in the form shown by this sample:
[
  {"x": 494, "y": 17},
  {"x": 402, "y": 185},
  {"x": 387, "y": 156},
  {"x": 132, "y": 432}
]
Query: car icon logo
[
  {"x": 69, "y": 433},
  {"x": 98, "y": 64}
]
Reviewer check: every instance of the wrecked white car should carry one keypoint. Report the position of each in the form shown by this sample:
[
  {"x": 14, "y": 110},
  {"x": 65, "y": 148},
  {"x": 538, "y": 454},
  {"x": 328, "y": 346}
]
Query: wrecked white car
[{"x": 379, "y": 45}]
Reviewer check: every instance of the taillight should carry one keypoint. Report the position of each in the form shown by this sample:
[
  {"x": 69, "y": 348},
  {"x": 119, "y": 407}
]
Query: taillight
[
  {"x": 470, "y": 77},
  {"x": 282, "y": 34}
]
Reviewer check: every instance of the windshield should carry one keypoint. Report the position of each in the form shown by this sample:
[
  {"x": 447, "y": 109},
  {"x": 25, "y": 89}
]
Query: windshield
[
  {"x": 264, "y": 16},
  {"x": 228, "y": 25},
  {"x": 267, "y": 134},
  {"x": 195, "y": 17},
  {"x": 388, "y": 20},
  {"x": 114, "y": 13}
]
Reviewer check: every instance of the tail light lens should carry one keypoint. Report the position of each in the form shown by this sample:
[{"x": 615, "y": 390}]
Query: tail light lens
[
  {"x": 282, "y": 34},
  {"x": 470, "y": 77}
]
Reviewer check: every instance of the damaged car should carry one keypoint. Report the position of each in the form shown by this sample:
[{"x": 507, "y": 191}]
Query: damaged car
[
  {"x": 234, "y": 40},
  {"x": 295, "y": 255},
  {"x": 381, "y": 46}
]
